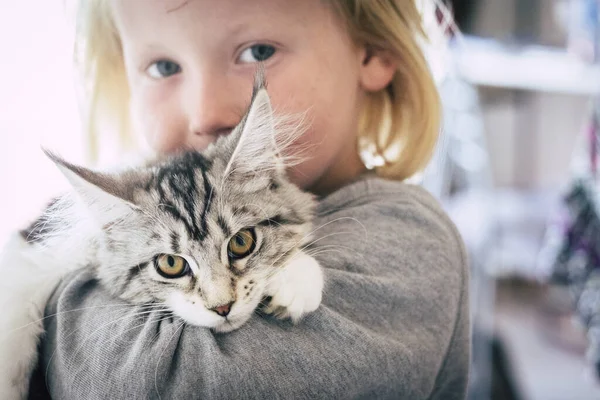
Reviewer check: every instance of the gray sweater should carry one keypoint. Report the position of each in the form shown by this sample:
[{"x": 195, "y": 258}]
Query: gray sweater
[{"x": 394, "y": 322}]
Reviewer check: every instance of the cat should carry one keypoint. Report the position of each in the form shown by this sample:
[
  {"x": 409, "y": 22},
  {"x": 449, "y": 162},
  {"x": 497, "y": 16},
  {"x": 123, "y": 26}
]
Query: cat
[{"x": 208, "y": 235}]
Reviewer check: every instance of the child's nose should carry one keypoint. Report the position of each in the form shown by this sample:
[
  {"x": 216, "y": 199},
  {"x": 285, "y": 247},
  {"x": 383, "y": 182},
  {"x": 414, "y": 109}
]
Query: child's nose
[{"x": 212, "y": 111}]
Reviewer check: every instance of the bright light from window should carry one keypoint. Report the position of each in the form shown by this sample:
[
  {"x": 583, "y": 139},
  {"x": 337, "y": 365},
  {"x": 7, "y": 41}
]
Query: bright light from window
[{"x": 38, "y": 107}]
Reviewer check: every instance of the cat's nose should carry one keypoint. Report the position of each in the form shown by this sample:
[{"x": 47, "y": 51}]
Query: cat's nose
[{"x": 223, "y": 310}]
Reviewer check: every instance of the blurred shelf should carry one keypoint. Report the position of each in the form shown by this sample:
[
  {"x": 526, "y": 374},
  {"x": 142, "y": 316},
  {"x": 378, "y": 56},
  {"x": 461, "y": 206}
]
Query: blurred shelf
[{"x": 487, "y": 62}]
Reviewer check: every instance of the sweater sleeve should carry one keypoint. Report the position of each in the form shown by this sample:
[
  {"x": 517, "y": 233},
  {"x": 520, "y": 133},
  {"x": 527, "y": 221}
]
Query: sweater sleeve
[
  {"x": 415, "y": 249},
  {"x": 394, "y": 322}
]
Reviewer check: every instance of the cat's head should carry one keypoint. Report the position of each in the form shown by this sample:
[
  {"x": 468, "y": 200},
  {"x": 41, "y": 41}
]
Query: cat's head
[{"x": 200, "y": 232}]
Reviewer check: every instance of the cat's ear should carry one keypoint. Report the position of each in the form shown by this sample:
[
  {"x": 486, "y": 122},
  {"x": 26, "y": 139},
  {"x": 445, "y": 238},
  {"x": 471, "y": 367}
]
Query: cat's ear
[
  {"x": 107, "y": 196},
  {"x": 253, "y": 142}
]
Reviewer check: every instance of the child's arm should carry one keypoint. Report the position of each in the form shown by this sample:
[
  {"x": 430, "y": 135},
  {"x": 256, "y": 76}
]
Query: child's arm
[{"x": 394, "y": 322}]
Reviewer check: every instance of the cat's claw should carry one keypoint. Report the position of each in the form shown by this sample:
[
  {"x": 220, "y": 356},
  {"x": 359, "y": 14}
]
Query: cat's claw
[{"x": 296, "y": 289}]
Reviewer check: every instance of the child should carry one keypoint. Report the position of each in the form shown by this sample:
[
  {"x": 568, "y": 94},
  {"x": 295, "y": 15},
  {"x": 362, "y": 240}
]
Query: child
[{"x": 394, "y": 322}]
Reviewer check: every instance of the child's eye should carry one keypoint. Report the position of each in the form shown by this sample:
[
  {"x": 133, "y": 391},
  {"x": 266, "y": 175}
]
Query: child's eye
[
  {"x": 257, "y": 53},
  {"x": 163, "y": 69}
]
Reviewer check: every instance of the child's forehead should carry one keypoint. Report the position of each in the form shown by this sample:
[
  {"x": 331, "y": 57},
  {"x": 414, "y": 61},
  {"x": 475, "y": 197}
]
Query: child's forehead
[
  {"x": 192, "y": 27},
  {"x": 224, "y": 13}
]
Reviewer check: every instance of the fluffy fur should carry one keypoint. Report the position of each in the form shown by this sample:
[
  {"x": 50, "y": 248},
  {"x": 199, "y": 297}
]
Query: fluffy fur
[{"x": 189, "y": 205}]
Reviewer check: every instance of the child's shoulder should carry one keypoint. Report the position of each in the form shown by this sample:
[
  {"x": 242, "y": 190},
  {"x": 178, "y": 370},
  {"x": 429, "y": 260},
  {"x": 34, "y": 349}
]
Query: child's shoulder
[
  {"x": 387, "y": 245},
  {"x": 391, "y": 203},
  {"x": 373, "y": 189},
  {"x": 392, "y": 223}
]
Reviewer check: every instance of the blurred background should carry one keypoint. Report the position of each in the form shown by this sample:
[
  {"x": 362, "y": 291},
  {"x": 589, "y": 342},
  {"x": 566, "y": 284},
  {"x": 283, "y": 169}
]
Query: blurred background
[
  {"x": 516, "y": 168},
  {"x": 517, "y": 171}
]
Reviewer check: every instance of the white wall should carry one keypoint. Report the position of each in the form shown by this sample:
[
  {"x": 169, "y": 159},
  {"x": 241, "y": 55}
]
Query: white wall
[{"x": 37, "y": 106}]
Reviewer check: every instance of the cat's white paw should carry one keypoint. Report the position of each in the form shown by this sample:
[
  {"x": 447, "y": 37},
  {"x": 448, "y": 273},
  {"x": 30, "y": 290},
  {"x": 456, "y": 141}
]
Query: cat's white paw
[{"x": 296, "y": 289}]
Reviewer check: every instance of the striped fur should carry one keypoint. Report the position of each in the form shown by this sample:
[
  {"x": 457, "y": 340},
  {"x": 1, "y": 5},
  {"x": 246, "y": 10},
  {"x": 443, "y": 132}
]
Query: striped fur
[{"x": 189, "y": 205}]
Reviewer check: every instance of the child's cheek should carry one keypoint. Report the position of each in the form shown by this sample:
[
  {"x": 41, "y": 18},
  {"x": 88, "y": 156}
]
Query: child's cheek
[
  {"x": 152, "y": 118},
  {"x": 314, "y": 157}
]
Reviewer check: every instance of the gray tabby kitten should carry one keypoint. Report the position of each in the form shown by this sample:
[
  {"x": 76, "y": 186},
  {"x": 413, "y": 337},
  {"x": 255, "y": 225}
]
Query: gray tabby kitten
[{"x": 208, "y": 235}]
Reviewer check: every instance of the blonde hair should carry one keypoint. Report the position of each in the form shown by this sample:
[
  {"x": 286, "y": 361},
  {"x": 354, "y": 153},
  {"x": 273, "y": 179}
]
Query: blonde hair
[
  {"x": 99, "y": 57},
  {"x": 399, "y": 125}
]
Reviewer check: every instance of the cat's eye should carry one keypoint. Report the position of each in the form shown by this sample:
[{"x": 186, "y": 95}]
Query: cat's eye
[
  {"x": 171, "y": 266},
  {"x": 257, "y": 53},
  {"x": 241, "y": 244},
  {"x": 163, "y": 69}
]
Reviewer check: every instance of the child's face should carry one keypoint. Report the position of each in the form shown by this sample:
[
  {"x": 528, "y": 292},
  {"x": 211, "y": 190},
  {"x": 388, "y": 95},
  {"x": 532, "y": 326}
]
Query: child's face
[{"x": 190, "y": 67}]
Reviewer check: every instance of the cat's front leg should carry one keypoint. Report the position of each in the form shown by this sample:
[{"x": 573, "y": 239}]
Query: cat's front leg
[{"x": 296, "y": 289}]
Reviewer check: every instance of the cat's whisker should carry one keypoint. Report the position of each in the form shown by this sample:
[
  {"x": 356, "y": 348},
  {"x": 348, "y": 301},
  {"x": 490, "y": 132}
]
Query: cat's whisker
[
  {"x": 149, "y": 319},
  {"x": 337, "y": 220},
  {"x": 316, "y": 240},
  {"x": 115, "y": 221},
  {"x": 312, "y": 242},
  {"x": 114, "y": 338},
  {"x": 296, "y": 254},
  {"x": 329, "y": 248},
  {"x": 309, "y": 251},
  {"x": 164, "y": 318},
  {"x": 107, "y": 324},
  {"x": 74, "y": 354},
  {"x": 160, "y": 356},
  {"x": 124, "y": 305},
  {"x": 142, "y": 313},
  {"x": 275, "y": 271},
  {"x": 330, "y": 251},
  {"x": 320, "y": 250}
]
